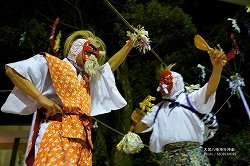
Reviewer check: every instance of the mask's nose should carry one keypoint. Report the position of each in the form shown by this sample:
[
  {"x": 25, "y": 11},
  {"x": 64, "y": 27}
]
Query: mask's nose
[{"x": 161, "y": 82}]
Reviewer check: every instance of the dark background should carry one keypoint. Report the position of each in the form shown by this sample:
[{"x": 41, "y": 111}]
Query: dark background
[{"x": 204, "y": 13}]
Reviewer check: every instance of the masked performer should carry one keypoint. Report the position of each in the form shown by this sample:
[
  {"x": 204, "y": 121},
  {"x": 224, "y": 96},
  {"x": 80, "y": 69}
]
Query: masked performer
[
  {"x": 63, "y": 94},
  {"x": 177, "y": 129}
]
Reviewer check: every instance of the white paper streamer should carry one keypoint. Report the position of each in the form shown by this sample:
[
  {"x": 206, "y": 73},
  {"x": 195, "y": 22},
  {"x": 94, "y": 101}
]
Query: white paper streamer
[
  {"x": 235, "y": 84},
  {"x": 203, "y": 73},
  {"x": 234, "y": 24},
  {"x": 191, "y": 88},
  {"x": 235, "y": 81},
  {"x": 140, "y": 36}
]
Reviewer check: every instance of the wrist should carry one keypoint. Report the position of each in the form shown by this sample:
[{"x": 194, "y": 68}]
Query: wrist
[
  {"x": 218, "y": 69},
  {"x": 134, "y": 123},
  {"x": 135, "y": 120},
  {"x": 37, "y": 97},
  {"x": 130, "y": 43}
]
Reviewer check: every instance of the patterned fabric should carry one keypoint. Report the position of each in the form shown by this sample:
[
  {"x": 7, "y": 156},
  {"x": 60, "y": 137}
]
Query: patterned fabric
[
  {"x": 73, "y": 94},
  {"x": 56, "y": 150},
  {"x": 211, "y": 125},
  {"x": 67, "y": 141},
  {"x": 75, "y": 99},
  {"x": 184, "y": 154}
]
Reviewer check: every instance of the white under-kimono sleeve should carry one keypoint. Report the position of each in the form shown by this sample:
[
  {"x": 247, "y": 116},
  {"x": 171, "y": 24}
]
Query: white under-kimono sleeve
[
  {"x": 198, "y": 100},
  {"x": 104, "y": 93},
  {"x": 35, "y": 70}
]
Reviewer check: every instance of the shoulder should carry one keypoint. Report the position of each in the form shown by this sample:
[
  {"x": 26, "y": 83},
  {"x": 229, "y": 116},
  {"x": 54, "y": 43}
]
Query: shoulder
[{"x": 35, "y": 60}]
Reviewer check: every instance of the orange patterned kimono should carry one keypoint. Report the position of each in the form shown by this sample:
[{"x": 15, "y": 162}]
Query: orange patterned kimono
[{"x": 67, "y": 140}]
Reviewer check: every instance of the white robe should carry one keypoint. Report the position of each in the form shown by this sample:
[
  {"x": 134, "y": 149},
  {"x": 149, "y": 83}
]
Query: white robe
[
  {"x": 104, "y": 93},
  {"x": 179, "y": 124}
]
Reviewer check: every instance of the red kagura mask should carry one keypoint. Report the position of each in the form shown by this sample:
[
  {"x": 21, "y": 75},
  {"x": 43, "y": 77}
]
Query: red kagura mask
[
  {"x": 88, "y": 49},
  {"x": 167, "y": 79}
]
